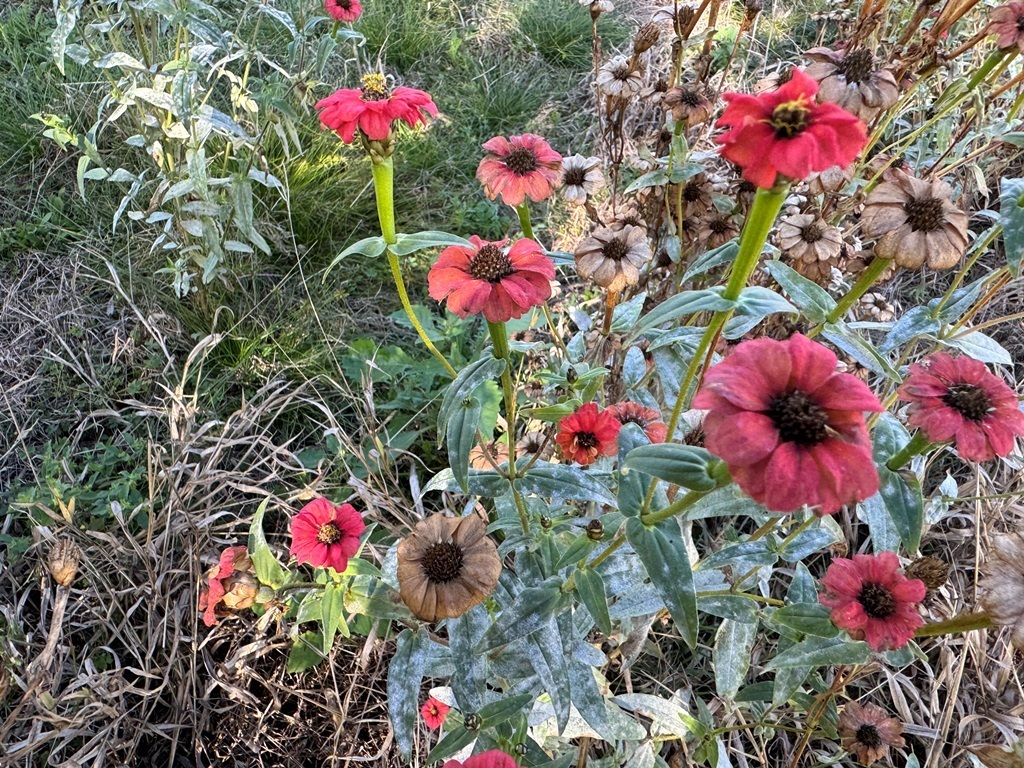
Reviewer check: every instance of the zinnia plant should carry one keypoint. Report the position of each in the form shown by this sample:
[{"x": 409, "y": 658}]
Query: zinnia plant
[{"x": 325, "y": 535}]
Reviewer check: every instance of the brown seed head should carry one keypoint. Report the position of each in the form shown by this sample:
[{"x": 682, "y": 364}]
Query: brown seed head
[
  {"x": 932, "y": 571},
  {"x": 646, "y": 38},
  {"x": 63, "y": 561}
]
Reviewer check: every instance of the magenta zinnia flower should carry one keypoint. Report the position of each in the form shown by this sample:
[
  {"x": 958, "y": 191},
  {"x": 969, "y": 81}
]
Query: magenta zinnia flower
[
  {"x": 502, "y": 284},
  {"x": 956, "y": 398},
  {"x": 789, "y": 426},
  {"x": 785, "y": 132},
  {"x": 343, "y": 10},
  {"x": 519, "y": 167},
  {"x": 326, "y": 536},
  {"x": 373, "y": 108},
  {"x": 872, "y": 600},
  {"x": 494, "y": 758}
]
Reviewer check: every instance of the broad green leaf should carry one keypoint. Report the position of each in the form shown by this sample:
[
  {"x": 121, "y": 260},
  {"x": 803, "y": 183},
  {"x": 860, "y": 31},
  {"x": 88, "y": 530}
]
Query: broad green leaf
[
  {"x": 579, "y": 548},
  {"x": 981, "y": 347},
  {"x": 498, "y": 712},
  {"x": 663, "y": 554},
  {"x": 370, "y": 596},
  {"x": 683, "y": 465},
  {"x": 417, "y": 241},
  {"x": 332, "y": 615},
  {"x": 268, "y": 570},
  {"x": 731, "y": 657},
  {"x": 532, "y": 608},
  {"x": 821, "y": 652},
  {"x": 627, "y": 313},
  {"x": 590, "y": 588},
  {"x": 683, "y": 304},
  {"x": 553, "y": 413},
  {"x": 754, "y": 305},
  {"x": 915, "y": 322},
  {"x": 564, "y": 482},
  {"x": 305, "y": 653},
  {"x": 859, "y": 349},
  {"x": 716, "y": 257},
  {"x": 1011, "y": 216},
  {"x": 633, "y": 484},
  {"x": 487, "y": 368},
  {"x": 464, "y": 634},
  {"x": 806, "y": 618},
  {"x": 453, "y": 741},
  {"x": 461, "y": 437},
  {"x": 368, "y": 246},
  {"x": 899, "y": 492},
  {"x": 810, "y": 297},
  {"x": 481, "y": 483},
  {"x": 405, "y": 673},
  {"x": 653, "y": 179}
]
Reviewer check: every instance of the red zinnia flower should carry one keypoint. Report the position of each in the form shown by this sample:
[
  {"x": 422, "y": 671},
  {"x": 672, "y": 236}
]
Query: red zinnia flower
[
  {"x": 229, "y": 582},
  {"x": 373, "y": 108},
  {"x": 790, "y": 428},
  {"x": 324, "y": 535},
  {"x": 588, "y": 433},
  {"x": 434, "y": 713},
  {"x": 486, "y": 278},
  {"x": 956, "y": 398},
  {"x": 873, "y": 601},
  {"x": 519, "y": 167},
  {"x": 343, "y": 10},
  {"x": 494, "y": 758},
  {"x": 786, "y": 132},
  {"x": 647, "y": 419}
]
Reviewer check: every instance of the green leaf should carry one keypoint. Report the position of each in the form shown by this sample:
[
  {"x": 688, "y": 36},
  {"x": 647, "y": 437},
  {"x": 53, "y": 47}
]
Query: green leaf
[
  {"x": 590, "y": 588},
  {"x": 487, "y": 368},
  {"x": 810, "y": 297},
  {"x": 503, "y": 710},
  {"x": 1011, "y": 216},
  {"x": 806, "y": 618},
  {"x": 899, "y": 493},
  {"x": 754, "y": 305},
  {"x": 406, "y": 244},
  {"x": 305, "y": 653},
  {"x": 368, "y": 246},
  {"x": 664, "y": 556},
  {"x": 565, "y": 482},
  {"x": 332, "y": 615},
  {"x": 731, "y": 657},
  {"x": 859, "y": 349},
  {"x": 553, "y": 413},
  {"x": 716, "y": 257},
  {"x": 529, "y": 612},
  {"x": 461, "y": 437},
  {"x": 484, "y": 483},
  {"x": 405, "y": 674},
  {"x": 580, "y": 548},
  {"x": 653, "y": 179},
  {"x": 821, "y": 652},
  {"x": 370, "y": 596},
  {"x": 464, "y": 633},
  {"x": 268, "y": 570},
  {"x": 685, "y": 303},
  {"x": 981, "y": 347},
  {"x": 453, "y": 741},
  {"x": 627, "y": 313},
  {"x": 683, "y": 465}
]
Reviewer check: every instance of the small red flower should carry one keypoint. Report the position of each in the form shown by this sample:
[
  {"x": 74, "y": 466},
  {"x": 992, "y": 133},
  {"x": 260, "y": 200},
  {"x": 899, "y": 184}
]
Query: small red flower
[
  {"x": 486, "y": 278},
  {"x": 230, "y": 583},
  {"x": 324, "y": 535},
  {"x": 343, "y": 10},
  {"x": 1007, "y": 21},
  {"x": 647, "y": 419},
  {"x": 519, "y": 167},
  {"x": 956, "y": 398},
  {"x": 588, "y": 433},
  {"x": 494, "y": 758},
  {"x": 786, "y": 132},
  {"x": 373, "y": 108},
  {"x": 790, "y": 428},
  {"x": 434, "y": 713},
  {"x": 872, "y": 600}
]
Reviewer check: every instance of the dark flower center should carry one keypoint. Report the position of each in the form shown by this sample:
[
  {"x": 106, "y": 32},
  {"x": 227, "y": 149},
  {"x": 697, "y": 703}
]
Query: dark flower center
[
  {"x": 878, "y": 601},
  {"x": 868, "y": 735},
  {"x": 633, "y": 418},
  {"x": 442, "y": 562},
  {"x": 491, "y": 264},
  {"x": 1020, "y": 23},
  {"x": 329, "y": 533},
  {"x": 786, "y": 74},
  {"x": 521, "y": 161},
  {"x": 812, "y": 232},
  {"x": 616, "y": 249},
  {"x": 586, "y": 440},
  {"x": 719, "y": 226},
  {"x": 575, "y": 176},
  {"x": 375, "y": 87},
  {"x": 856, "y": 67},
  {"x": 971, "y": 401},
  {"x": 345, "y": 5},
  {"x": 746, "y": 187},
  {"x": 799, "y": 419},
  {"x": 690, "y": 98},
  {"x": 692, "y": 191},
  {"x": 924, "y": 214},
  {"x": 790, "y": 119},
  {"x": 622, "y": 73},
  {"x": 631, "y": 219}
]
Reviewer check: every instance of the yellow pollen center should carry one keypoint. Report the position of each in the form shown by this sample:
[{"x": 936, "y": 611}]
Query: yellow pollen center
[
  {"x": 790, "y": 118},
  {"x": 375, "y": 87}
]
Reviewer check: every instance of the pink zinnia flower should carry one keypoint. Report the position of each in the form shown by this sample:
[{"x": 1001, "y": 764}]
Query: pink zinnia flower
[
  {"x": 326, "y": 536},
  {"x": 790, "y": 428},
  {"x": 785, "y": 132},
  {"x": 434, "y": 713},
  {"x": 872, "y": 600},
  {"x": 519, "y": 167},
  {"x": 956, "y": 398},
  {"x": 588, "y": 434},
  {"x": 343, "y": 10},
  {"x": 486, "y": 278},
  {"x": 373, "y": 108},
  {"x": 230, "y": 583},
  {"x": 494, "y": 758},
  {"x": 1007, "y": 21},
  {"x": 647, "y": 419}
]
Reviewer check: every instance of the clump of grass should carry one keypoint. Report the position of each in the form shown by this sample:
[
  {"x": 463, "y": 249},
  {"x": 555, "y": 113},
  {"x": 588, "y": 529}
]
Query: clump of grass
[
  {"x": 561, "y": 32},
  {"x": 404, "y": 33}
]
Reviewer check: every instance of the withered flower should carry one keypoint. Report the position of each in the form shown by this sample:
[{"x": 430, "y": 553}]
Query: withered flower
[
  {"x": 868, "y": 732},
  {"x": 613, "y": 258},
  {"x": 535, "y": 444},
  {"x": 63, "y": 561},
  {"x": 446, "y": 566},
  {"x": 620, "y": 79},
  {"x": 775, "y": 80},
  {"x": 628, "y": 216},
  {"x": 1003, "y": 585},
  {"x": 915, "y": 222},
  {"x": 597, "y": 7},
  {"x": 496, "y": 449},
  {"x": 697, "y": 195},
  {"x": 1007, "y": 21},
  {"x": 806, "y": 237},
  {"x": 677, "y": 16},
  {"x": 581, "y": 177},
  {"x": 830, "y": 180},
  {"x": 930, "y": 570},
  {"x": 646, "y": 38},
  {"x": 716, "y": 229},
  {"x": 876, "y": 307},
  {"x": 849, "y": 79},
  {"x": 687, "y": 105}
]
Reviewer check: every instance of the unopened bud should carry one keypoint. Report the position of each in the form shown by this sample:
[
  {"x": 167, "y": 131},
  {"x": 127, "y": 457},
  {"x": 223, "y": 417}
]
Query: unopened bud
[
  {"x": 595, "y": 530},
  {"x": 932, "y": 571},
  {"x": 520, "y": 749},
  {"x": 571, "y": 376},
  {"x": 545, "y": 523},
  {"x": 646, "y": 38},
  {"x": 472, "y": 722},
  {"x": 63, "y": 561}
]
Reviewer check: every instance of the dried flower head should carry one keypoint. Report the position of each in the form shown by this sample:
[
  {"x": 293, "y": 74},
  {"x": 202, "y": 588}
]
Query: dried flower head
[
  {"x": 535, "y": 444},
  {"x": 830, "y": 180},
  {"x": 519, "y": 167},
  {"x": 915, "y": 222},
  {"x": 850, "y": 79},
  {"x": 813, "y": 245},
  {"x": 868, "y": 732},
  {"x": 63, "y": 561},
  {"x": 597, "y": 7},
  {"x": 648, "y": 419},
  {"x": 446, "y": 566},
  {"x": 932, "y": 571},
  {"x": 775, "y": 80},
  {"x": 496, "y": 450},
  {"x": 687, "y": 105},
  {"x": 620, "y": 78},
  {"x": 1002, "y": 589},
  {"x": 628, "y": 216},
  {"x": 646, "y": 38},
  {"x": 716, "y": 229},
  {"x": 677, "y": 16},
  {"x": 696, "y": 195},
  {"x": 613, "y": 258},
  {"x": 231, "y": 583},
  {"x": 875, "y": 307},
  {"x": 581, "y": 178},
  {"x": 1007, "y": 21}
]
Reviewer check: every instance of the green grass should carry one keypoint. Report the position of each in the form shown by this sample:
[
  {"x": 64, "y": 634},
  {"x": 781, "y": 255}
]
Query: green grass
[{"x": 561, "y": 32}]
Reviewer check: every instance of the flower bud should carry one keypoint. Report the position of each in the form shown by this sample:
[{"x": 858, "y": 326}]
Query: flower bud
[
  {"x": 595, "y": 530},
  {"x": 571, "y": 376},
  {"x": 646, "y": 38},
  {"x": 520, "y": 749},
  {"x": 472, "y": 722},
  {"x": 63, "y": 561},
  {"x": 932, "y": 571},
  {"x": 545, "y": 523}
]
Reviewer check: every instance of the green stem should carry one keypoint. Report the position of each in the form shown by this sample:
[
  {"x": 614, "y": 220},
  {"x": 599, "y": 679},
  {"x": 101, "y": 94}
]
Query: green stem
[
  {"x": 384, "y": 189},
  {"x": 965, "y": 622},
  {"x": 499, "y": 336},
  {"x": 918, "y": 444},
  {"x": 990, "y": 63},
  {"x": 613, "y": 545},
  {"x": 679, "y": 505},
  {"x": 523, "y": 211},
  {"x": 867, "y": 279}
]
